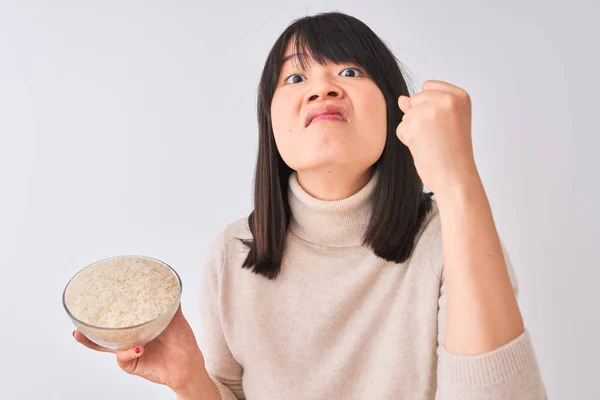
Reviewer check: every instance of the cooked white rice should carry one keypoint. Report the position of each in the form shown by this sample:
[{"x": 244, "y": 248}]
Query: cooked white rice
[{"x": 122, "y": 292}]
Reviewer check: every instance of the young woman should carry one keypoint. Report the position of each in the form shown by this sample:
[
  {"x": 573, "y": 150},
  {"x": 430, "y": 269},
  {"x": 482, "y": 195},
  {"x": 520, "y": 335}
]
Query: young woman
[{"x": 348, "y": 281}]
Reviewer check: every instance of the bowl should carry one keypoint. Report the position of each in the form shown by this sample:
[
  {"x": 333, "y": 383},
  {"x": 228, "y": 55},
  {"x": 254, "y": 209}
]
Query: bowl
[{"x": 124, "y": 301}]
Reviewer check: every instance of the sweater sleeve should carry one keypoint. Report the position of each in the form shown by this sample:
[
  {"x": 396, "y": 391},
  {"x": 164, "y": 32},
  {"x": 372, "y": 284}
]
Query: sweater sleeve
[
  {"x": 221, "y": 365},
  {"x": 508, "y": 372}
]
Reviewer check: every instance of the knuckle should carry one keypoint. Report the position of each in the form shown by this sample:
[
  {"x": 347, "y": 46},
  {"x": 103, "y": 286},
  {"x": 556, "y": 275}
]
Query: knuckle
[
  {"x": 466, "y": 97},
  {"x": 449, "y": 101},
  {"x": 462, "y": 96},
  {"x": 431, "y": 111}
]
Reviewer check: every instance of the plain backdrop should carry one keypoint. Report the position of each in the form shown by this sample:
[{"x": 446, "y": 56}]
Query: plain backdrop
[{"x": 128, "y": 127}]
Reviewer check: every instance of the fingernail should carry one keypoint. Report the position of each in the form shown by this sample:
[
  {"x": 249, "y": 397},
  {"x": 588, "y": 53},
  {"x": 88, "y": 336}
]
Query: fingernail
[
  {"x": 73, "y": 333},
  {"x": 137, "y": 350}
]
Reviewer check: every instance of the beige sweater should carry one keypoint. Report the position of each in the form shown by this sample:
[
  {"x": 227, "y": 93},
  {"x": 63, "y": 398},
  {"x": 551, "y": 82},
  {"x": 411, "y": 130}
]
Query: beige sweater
[{"x": 341, "y": 323}]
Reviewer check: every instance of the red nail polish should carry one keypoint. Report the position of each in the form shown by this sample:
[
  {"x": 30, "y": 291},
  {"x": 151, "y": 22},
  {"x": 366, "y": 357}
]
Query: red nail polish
[{"x": 137, "y": 350}]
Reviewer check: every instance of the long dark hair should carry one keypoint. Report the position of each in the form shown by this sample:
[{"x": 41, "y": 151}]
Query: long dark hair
[{"x": 400, "y": 205}]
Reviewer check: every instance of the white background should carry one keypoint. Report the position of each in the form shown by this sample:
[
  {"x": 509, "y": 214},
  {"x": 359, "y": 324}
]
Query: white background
[{"x": 129, "y": 128}]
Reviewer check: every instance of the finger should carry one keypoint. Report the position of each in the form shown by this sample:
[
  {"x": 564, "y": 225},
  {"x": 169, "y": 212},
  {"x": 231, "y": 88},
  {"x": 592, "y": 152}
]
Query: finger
[
  {"x": 441, "y": 86},
  {"x": 404, "y": 103},
  {"x": 401, "y": 131},
  {"x": 429, "y": 96},
  {"x": 81, "y": 338},
  {"x": 126, "y": 356}
]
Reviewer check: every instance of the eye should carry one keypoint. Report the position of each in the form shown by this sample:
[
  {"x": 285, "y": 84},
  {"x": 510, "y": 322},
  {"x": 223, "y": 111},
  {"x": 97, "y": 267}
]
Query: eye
[
  {"x": 354, "y": 72},
  {"x": 296, "y": 78}
]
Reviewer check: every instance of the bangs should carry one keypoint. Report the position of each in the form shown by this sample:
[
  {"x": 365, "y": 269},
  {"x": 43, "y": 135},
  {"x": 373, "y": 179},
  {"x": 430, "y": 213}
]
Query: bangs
[{"x": 332, "y": 38}]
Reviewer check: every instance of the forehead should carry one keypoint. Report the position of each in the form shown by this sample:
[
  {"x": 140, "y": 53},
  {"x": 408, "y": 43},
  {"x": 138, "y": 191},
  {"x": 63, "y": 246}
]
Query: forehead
[
  {"x": 299, "y": 56},
  {"x": 307, "y": 52},
  {"x": 290, "y": 55}
]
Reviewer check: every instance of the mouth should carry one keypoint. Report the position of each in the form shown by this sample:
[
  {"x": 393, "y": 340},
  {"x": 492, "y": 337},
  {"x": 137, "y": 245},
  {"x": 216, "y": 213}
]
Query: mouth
[{"x": 326, "y": 113}]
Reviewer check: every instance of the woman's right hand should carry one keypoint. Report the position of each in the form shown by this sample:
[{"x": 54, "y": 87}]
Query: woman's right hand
[{"x": 172, "y": 359}]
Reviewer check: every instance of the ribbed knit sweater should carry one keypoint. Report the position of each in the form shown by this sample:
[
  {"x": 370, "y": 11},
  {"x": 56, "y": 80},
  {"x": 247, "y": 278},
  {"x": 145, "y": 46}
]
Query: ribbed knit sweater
[{"x": 340, "y": 322}]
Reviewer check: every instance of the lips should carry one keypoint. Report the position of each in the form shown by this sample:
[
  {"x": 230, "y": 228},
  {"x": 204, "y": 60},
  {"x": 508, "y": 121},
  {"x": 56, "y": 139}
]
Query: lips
[{"x": 326, "y": 110}]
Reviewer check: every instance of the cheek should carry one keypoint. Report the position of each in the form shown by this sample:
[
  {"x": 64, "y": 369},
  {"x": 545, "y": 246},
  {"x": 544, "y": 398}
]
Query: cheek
[
  {"x": 283, "y": 120},
  {"x": 278, "y": 113},
  {"x": 284, "y": 114},
  {"x": 375, "y": 109},
  {"x": 373, "y": 120}
]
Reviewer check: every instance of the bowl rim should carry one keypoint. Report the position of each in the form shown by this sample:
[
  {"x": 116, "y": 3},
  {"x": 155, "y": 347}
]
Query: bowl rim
[{"x": 101, "y": 328}]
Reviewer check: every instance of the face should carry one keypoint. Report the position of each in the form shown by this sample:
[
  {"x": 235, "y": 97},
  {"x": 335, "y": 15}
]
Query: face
[{"x": 350, "y": 128}]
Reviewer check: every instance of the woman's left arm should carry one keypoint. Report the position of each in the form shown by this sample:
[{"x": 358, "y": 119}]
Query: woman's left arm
[
  {"x": 486, "y": 351},
  {"x": 482, "y": 313}
]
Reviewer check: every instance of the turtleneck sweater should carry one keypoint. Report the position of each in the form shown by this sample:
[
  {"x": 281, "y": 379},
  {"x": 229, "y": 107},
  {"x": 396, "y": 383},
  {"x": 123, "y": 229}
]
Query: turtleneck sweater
[{"x": 341, "y": 323}]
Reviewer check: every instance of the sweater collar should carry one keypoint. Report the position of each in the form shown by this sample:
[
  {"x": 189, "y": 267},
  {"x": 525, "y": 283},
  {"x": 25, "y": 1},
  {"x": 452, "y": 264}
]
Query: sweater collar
[{"x": 338, "y": 223}]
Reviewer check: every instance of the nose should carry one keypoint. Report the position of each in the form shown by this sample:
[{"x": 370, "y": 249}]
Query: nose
[{"x": 324, "y": 89}]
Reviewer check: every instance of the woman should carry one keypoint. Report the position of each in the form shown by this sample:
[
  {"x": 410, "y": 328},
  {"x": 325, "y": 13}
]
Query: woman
[{"x": 348, "y": 281}]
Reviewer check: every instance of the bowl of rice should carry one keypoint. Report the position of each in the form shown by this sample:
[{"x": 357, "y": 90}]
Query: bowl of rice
[{"x": 123, "y": 302}]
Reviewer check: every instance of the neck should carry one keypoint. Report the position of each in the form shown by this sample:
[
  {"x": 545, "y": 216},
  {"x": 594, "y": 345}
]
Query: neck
[
  {"x": 330, "y": 223},
  {"x": 333, "y": 183}
]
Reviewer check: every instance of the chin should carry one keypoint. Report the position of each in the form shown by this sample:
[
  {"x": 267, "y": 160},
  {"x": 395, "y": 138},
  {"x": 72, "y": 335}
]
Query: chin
[
  {"x": 330, "y": 154},
  {"x": 324, "y": 162}
]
